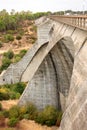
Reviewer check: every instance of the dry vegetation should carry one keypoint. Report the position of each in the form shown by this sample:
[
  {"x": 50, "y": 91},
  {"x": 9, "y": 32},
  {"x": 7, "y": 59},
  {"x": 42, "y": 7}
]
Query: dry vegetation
[
  {"x": 23, "y": 124},
  {"x": 27, "y": 32}
]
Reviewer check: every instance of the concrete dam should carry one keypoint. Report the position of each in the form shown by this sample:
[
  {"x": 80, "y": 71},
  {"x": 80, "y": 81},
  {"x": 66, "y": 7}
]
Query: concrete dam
[{"x": 56, "y": 69}]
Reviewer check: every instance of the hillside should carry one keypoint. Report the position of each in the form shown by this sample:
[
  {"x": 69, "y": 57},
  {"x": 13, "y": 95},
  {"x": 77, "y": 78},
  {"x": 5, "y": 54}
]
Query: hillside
[{"x": 23, "y": 38}]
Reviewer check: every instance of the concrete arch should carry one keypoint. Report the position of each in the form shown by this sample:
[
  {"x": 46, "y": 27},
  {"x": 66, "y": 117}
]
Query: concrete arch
[{"x": 51, "y": 81}]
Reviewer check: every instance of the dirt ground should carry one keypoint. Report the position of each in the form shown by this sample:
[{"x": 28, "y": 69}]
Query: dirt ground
[
  {"x": 24, "y": 124},
  {"x": 8, "y": 104}
]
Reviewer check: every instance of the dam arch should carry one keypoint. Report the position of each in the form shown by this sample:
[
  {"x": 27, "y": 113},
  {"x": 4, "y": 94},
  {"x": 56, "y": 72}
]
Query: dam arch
[{"x": 50, "y": 83}]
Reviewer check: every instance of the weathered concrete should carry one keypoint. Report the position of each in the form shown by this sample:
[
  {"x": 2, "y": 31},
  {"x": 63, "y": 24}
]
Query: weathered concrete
[
  {"x": 47, "y": 86},
  {"x": 75, "y": 115}
]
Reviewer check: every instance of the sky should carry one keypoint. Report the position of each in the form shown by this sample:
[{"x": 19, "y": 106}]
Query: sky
[{"x": 43, "y": 5}]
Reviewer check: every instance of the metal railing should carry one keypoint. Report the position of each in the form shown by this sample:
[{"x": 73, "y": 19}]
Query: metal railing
[{"x": 76, "y": 21}]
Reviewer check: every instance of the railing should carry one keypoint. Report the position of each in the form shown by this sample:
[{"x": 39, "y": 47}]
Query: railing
[{"x": 76, "y": 21}]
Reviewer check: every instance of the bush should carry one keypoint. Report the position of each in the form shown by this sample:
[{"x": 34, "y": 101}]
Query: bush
[
  {"x": 11, "y": 91},
  {"x": 6, "y": 113},
  {"x": 23, "y": 112},
  {"x": 5, "y": 63},
  {"x": 8, "y": 37},
  {"x": 17, "y": 58},
  {"x": 14, "y": 112},
  {"x": 9, "y": 54},
  {"x": 11, "y": 31},
  {"x": 32, "y": 111},
  {"x": 22, "y": 53},
  {"x": 4, "y": 94},
  {"x": 19, "y": 87},
  {"x": 13, "y": 121},
  {"x": 28, "y": 112},
  {"x": 14, "y": 95},
  {"x": 18, "y": 37},
  {"x": 26, "y": 116},
  {"x": 48, "y": 116}
]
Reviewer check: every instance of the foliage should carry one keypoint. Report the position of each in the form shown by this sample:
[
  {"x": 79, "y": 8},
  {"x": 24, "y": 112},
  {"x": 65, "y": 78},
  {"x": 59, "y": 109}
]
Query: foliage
[
  {"x": 48, "y": 116},
  {"x": 13, "y": 121},
  {"x": 12, "y": 21},
  {"x": 5, "y": 63},
  {"x": 18, "y": 37},
  {"x": 5, "y": 113},
  {"x": 17, "y": 58},
  {"x": 9, "y": 54},
  {"x": 22, "y": 53},
  {"x": 4, "y": 94},
  {"x": 32, "y": 111},
  {"x": 28, "y": 111},
  {"x": 14, "y": 112},
  {"x": 9, "y": 57},
  {"x": 8, "y": 37},
  {"x": 11, "y": 91},
  {"x": 19, "y": 87},
  {"x": 14, "y": 95}
]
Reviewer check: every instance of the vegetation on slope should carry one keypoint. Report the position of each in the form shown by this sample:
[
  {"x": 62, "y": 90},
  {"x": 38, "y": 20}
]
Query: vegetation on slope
[
  {"x": 9, "y": 57},
  {"x": 12, "y": 21},
  {"x": 48, "y": 116},
  {"x": 11, "y": 91}
]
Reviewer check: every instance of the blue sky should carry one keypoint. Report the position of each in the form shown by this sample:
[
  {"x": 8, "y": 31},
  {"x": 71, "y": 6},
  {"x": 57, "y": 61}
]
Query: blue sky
[{"x": 43, "y": 5}]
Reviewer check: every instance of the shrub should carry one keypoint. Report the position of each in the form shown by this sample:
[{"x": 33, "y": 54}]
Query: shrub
[
  {"x": 22, "y": 53},
  {"x": 23, "y": 112},
  {"x": 18, "y": 37},
  {"x": 14, "y": 95},
  {"x": 5, "y": 63},
  {"x": 10, "y": 31},
  {"x": 17, "y": 58},
  {"x": 4, "y": 94},
  {"x": 32, "y": 111},
  {"x": 26, "y": 116},
  {"x": 48, "y": 116},
  {"x": 19, "y": 87},
  {"x": 13, "y": 121},
  {"x": 8, "y": 37},
  {"x": 6, "y": 113},
  {"x": 9, "y": 54},
  {"x": 14, "y": 112},
  {"x": 28, "y": 112}
]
